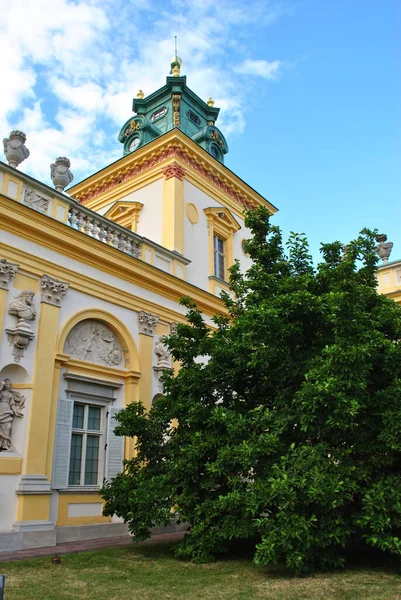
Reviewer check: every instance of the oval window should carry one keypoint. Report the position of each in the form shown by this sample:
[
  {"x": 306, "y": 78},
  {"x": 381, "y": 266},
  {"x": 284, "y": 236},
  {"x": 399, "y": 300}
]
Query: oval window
[{"x": 158, "y": 114}]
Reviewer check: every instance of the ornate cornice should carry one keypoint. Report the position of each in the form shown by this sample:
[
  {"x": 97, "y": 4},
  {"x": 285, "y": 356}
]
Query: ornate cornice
[{"x": 151, "y": 159}]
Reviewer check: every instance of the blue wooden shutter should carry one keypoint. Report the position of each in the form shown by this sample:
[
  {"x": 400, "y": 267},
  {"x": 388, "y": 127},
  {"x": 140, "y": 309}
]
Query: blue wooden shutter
[{"x": 62, "y": 447}]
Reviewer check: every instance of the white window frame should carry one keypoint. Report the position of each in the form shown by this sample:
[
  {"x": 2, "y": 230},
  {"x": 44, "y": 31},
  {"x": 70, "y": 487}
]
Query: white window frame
[{"x": 101, "y": 434}]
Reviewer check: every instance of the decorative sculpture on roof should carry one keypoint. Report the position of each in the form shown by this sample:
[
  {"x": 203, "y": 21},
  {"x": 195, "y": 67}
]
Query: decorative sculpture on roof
[
  {"x": 383, "y": 248},
  {"x": 15, "y": 149},
  {"x": 11, "y": 405},
  {"x": 60, "y": 173}
]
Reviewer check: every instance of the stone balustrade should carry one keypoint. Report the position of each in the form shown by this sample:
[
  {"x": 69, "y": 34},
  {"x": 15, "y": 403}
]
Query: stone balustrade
[{"x": 104, "y": 230}]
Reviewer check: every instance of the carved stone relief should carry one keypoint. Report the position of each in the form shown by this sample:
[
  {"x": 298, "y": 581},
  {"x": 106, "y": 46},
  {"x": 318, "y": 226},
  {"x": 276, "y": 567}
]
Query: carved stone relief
[
  {"x": 173, "y": 328},
  {"x": 35, "y": 200},
  {"x": 93, "y": 341},
  {"x": 53, "y": 290},
  {"x": 7, "y": 273},
  {"x": 147, "y": 323},
  {"x": 11, "y": 406},
  {"x": 23, "y": 309}
]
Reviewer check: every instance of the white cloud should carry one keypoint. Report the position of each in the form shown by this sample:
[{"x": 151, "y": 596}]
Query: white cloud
[
  {"x": 259, "y": 68},
  {"x": 72, "y": 68}
]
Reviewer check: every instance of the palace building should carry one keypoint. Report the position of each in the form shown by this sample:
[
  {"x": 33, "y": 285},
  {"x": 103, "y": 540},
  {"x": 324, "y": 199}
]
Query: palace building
[{"x": 90, "y": 282}]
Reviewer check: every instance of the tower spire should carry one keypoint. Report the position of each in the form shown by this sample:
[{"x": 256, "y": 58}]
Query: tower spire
[{"x": 176, "y": 61}]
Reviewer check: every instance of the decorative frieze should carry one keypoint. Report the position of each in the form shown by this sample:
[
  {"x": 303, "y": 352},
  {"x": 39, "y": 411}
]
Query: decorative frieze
[
  {"x": 147, "y": 323},
  {"x": 12, "y": 404},
  {"x": 53, "y": 290},
  {"x": 7, "y": 273},
  {"x": 22, "y": 308},
  {"x": 36, "y": 201},
  {"x": 175, "y": 150},
  {"x": 174, "y": 170},
  {"x": 14, "y": 148}
]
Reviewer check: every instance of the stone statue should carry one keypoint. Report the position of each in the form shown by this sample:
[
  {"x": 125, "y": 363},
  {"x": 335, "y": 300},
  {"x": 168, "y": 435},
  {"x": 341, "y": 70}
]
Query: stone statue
[
  {"x": 163, "y": 353},
  {"x": 11, "y": 405},
  {"x": 60, "y": 173},
  {"x": 22, "y": 307},
  {"x": 15, "y": 149}
]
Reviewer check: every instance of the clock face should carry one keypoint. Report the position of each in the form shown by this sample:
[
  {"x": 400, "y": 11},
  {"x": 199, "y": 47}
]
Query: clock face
[{"x": 134, "y": 144}]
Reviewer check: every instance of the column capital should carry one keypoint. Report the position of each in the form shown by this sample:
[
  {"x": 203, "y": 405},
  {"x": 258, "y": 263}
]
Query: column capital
[
  {"x": 7, "y": 273},
  {"x": 147, "y": 323},
  {"x": 53, "y": 290}
]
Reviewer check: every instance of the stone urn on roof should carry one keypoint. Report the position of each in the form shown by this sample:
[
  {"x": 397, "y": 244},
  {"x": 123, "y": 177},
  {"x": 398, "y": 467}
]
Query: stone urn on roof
[
  {"x": 15, "y": 149},
  {"x": 60, "y": 173}
]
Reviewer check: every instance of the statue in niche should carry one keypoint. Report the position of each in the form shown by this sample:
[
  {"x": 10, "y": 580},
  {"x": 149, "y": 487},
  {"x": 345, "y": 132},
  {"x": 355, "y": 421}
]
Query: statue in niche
[
  {"x": 162, "y": 353},
  {"x": 11, "y": 405},
  {"x": 92, "y": 341},
  {"x": 22, "y": 307}
]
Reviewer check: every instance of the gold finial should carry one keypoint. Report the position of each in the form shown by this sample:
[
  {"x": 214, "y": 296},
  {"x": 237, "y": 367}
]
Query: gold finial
[
  {"x": 176, "y": 63},
  {"x": 210, "y": 102},
  {"x": 140, "y": 95}
]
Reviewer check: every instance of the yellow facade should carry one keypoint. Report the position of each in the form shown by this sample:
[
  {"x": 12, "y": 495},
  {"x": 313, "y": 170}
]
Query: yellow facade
[{"x": 107, "y": 268}]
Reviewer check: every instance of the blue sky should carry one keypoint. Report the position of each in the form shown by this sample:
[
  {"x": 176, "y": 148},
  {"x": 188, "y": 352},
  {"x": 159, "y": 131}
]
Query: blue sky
[{"x": 309, "y": 92}]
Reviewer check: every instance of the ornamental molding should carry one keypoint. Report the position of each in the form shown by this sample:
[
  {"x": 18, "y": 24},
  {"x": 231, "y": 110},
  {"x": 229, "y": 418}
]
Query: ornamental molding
[
  {"x": 175, "y": 151},
  {"x": 53, "y": 290},
  {"x": 34, "y": 200},
  {"x": 174, "y": 170},
  {"x": 147, "y": 323},
  {"x": 7, "y": 273}
]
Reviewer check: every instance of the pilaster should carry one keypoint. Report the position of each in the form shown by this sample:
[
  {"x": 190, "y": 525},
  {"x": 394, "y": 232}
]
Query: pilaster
[
  {"x": 147, "y": 324},
  {"x": 34, "y": 491},
  {"x": 173, "y": 208},
  {"x": 7, "y": 274}
]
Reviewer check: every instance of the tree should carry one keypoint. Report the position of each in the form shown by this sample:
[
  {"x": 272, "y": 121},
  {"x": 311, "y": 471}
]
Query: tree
[{"x": 283, "y": 425}]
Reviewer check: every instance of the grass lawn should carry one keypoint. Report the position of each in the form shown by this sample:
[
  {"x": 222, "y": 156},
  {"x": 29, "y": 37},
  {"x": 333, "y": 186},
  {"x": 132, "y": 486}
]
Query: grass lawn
[{"x": 150, "y": 572}]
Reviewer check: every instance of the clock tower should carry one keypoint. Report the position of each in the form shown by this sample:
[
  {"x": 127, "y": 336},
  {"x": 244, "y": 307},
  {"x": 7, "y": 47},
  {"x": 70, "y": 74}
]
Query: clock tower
[{"x": 174, "y": 106}]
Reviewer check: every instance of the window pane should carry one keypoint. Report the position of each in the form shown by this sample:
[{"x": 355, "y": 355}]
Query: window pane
[
  {"x": 220, "y": 245},
  {"x": 75, "y": 459},
  {"x": 78, "y": 416},
  {"x": 221, "y": 267},
  {"x": 94, "y": 418},
  {"x": 92, "y": 460}
]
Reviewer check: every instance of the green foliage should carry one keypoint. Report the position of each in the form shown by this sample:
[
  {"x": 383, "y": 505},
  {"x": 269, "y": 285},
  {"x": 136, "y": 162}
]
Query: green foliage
[{"x": 283, "y": 425}]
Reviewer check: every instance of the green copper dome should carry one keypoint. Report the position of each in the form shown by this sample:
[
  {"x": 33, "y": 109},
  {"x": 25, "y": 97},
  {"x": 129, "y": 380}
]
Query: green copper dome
[{"x": 174, "y": 105}]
